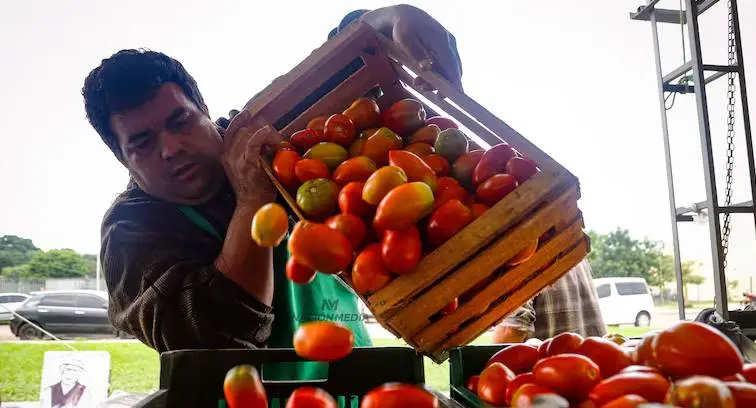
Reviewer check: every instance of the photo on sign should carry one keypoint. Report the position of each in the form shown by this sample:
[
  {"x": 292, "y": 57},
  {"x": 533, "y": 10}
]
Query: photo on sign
[{"x": 74, "y": 379}]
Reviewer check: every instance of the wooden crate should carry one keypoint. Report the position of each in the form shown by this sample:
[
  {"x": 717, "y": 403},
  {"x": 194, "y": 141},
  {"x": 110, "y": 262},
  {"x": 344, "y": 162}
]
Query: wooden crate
[{"x": 359, "y": 61}]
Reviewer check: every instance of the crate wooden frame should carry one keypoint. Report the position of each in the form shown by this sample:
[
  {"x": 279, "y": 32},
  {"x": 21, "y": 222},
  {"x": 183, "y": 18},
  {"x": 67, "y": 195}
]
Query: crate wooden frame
[{"x": 408, "y": 306}]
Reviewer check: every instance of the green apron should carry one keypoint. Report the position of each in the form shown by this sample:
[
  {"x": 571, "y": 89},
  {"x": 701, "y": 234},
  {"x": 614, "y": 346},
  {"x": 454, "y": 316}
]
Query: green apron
[{"x": 325, "y": 298}]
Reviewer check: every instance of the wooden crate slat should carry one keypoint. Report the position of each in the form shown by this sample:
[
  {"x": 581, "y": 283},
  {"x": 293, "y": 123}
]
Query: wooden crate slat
[
  {"x": 410, "y": 320},
  {"x": 529, "y": 290},
  {"x": 502, "y": 216},
  {"x": 433, "y": 334}
]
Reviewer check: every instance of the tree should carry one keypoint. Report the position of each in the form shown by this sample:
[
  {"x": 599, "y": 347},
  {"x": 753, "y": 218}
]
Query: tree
[
  {"x": 56, "y": 263},
  {"x": 689, "y": 276},
  {"x": 15, "y": 251},
  {"x": 91, "y": 264},
  {"x": 617, "y": 254}
]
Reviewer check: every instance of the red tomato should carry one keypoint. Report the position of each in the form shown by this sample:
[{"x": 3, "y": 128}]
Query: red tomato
[
  {"x": 643, "y": 354},
  {"x": 439, "y": 164},
  {"x": 414, "y": 167},
  {"x": 243, "y": 388},
  {"x": 564, "y": 343},
  {"x": 700, "y": 392},
  {"x": 448, "y": 220},
  {"x": 626, "y": 401},
  {"x": 493, "y": 382},
  {"x": 571, "y": 375},
  {"x": 743, "y": 392},
  {"x": 364, "y": 113},
  {"x": 749, "y": 372},
  {"x": 310, "y": 169},
  {"x": 351, "y": 202},
  {"x": 404, "y": 116},
  {"x": 298, "y": 273},
  {"x": 369, "y": 273},
  {"x": 495, "y": 188},
  {"x": 650, "y": 386},
  {"x": 522, "y": 169},
  {"x": 420, "y": 149},
  {"x": 351, "y": 226},
  {"x": 478, "y": 209},
  {"x": 401, "y": 249},
  {"x": 463, "y": 167},
  {"x": 323, "y": 341},
  {"x": 426, "y": 134},
  {"x": 310, "y": 397},
  {"x": 318, "y": 124},
  {"x": 451, "y": 192},
  {"x": 520, "y": 358},
  {"x": 493, "y": 161},
  {"x": 451, "y": 307},
  {"x": 283, "y": 166},
  {"x": 319, "y": 247},
  {"x": 442, "y": 122},
  {"x": 404, "y": 206},
  {"x": 543, "y": 349},
  {"x": 306, "y": 138},
  {"x": 640, "y": 369},
  {"x": 607, "y": 354},
  {"x": 734, "y": 378},
  {"x": 516, "y": 383},
  {"x": 339, "y": 129},
  {"x": 355, "y": 169},
  {"x": 472, "y": 384},
  {"x": 396, "y": 395},
  {"x": 528, "y": 395},
  {"x": 712, "y": 353}
]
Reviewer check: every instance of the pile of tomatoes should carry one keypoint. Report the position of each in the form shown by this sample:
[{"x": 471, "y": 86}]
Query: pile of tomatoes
[
  {"x": 381, "y": 189},
  {"x": 687, "y": 365}
]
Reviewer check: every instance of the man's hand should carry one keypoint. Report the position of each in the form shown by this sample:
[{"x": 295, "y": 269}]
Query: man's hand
[
  {"x": 242, "y": 148},
  {"x": 509, "y": 334}
]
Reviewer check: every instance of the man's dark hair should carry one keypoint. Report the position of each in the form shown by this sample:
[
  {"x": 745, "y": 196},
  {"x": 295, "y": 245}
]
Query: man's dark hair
[{"x": 128, "y": 79}]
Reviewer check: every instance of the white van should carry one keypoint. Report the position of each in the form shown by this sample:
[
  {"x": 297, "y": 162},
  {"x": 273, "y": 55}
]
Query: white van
[{"x": 624, "y": 301}]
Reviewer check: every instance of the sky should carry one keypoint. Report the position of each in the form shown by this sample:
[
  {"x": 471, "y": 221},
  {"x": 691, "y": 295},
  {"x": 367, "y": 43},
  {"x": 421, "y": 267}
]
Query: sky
[{"x": 577, "y": 79}]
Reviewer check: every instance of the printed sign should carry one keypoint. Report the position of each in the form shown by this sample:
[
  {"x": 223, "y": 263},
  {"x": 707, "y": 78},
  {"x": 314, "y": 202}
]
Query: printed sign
[{"x": 74, "y": 379}]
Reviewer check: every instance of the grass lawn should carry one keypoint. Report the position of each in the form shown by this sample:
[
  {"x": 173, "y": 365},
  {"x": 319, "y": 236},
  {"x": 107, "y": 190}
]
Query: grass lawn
[{"x": 135, "y": 367}]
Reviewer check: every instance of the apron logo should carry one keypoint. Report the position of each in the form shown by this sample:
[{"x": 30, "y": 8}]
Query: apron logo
[{"x": 330, "y": 304}]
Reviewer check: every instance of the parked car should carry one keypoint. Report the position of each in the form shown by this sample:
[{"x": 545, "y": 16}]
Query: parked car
[
  {"x": 63, "y": 313},
  {"x": 10, "y": 302},
  {"x": 624, "y": 301}
]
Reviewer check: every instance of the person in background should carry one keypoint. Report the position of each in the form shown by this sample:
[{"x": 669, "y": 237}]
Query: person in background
[
  {"x": 569, "y": 305},
  {"x": 68, "y": 392}
]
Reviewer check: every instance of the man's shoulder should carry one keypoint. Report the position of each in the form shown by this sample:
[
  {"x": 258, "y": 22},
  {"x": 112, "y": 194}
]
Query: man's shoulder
[{"x": 134, "y": 212}]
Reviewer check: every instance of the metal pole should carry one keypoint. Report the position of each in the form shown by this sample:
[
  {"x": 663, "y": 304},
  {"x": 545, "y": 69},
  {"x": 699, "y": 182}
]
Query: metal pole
[
  {"x": 670, "y": 178},
  {"x": 712, "y": 203}
]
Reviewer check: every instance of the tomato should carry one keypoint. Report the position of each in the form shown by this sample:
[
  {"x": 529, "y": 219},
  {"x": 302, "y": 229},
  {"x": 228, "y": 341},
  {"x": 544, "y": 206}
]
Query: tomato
[
  {"x": 493, "y": 161},
  {"x": 744, "y": 393},
  {"x": 478, "y": 209},
  {"x": 520, "y": 358},
  {"x": 369, "y": 272},
  {"x": 403, "y": 206},
  {"x": 529, "y": 395},
  {"x": 404, "y": 116},
  {"x": 525, "y": 254},
  {"x": 298, "y": 273},
  {"x": 401, "y": 249},
  {"x": 438, "y": 163},
  {"x": 351, "y": 202},
  {"x": 351, "y": 226},
  {"x": 381, "y": 182},
  {"x": 310, "y": 397},
  {"x": 493, "y": 382},
  {"x": 323, "y": 341},
  {"x": 495, "y": 188},
  {"x": 310, "y": 169},
  {"x": 364, "y": 113},
  {"x": 643, "y": 354},
  {"x": 243, "y": 388},
  {"x": 355, "y": 169},
  {"x": 414, "y": 167},
  {"x": 640, "y": 369},
  {"x": 420, "y": 149},
  {"x": 472, "y": 384},
  {"x": 441, "y": 122},
  {"x": 450, "y": 307},
  {"x": 571, "y": 375},
  {"x": 522, "y": 169},
  {"x": 711, "y": 354},
  {"x": 396, "y": 395},
  {"x": 749, "y": 372},
  {"x": 306, "y": 138},
  {"x": 517, "y": 382},
  {"x": 378, "y": 145},
  {"x": 735, "y": 377},
  {"x": 270, "y": 225},
  {"x": 448, "y": 220},
  {"x": 284, "y": 145},
  {"x": 283, "y": 167},
  {"x": 463, "y": 167},
  {"x": 650, "y": 386},
  {"x": 564, "y": 343},
  {"x": 544, "y": 348},
  {"x": 426, "y": 134},
  {"x": 339, "y": 129},
  {"x": 355, "y": 150},
  {"x": 700, "y": 392},
  {"x": 318, "y": 124},
  {"x": 626, "y": 401},
  {"x": 606, "y": 354},
  {"x": 452, "y": 192},
  {"x": 319, "y": 247},
  {"x": 318, "y": 198}
]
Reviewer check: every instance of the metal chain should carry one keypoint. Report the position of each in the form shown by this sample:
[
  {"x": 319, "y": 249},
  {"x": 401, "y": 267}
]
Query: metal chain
[{"x": 731, "y": 61}]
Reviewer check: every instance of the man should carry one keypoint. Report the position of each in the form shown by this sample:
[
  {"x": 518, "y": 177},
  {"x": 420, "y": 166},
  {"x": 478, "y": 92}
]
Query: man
[
  {"x": 180, "y": 266},
  {"x": 68, "y": 392},
  {"x": 569, "y": 305}
]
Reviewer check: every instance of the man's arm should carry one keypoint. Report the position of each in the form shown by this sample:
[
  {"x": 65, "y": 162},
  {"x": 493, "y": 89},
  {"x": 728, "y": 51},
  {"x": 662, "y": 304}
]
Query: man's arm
[{"x": 518, "y": 326}]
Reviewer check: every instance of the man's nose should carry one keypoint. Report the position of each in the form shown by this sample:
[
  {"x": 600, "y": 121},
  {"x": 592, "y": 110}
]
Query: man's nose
[{"x": 170, "y": 145}]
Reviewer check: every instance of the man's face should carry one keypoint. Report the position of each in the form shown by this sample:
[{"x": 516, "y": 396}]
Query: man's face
[
  {"x": 171, "y": 147},
  {"x": 69, "y": 374}
]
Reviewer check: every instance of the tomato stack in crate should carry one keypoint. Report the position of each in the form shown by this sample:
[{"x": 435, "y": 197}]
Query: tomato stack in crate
[{"x": 439, "y": 215}]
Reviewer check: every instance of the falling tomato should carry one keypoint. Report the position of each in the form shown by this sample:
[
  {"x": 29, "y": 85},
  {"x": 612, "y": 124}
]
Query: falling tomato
[
  {"x": 243, "y": 388},
  {"x": 323, "y": 341}
]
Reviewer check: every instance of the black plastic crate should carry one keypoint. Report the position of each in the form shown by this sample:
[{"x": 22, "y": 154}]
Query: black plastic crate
[
  {"x": 465, "y": 362},
  {"x": 194, "y": 378}
]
